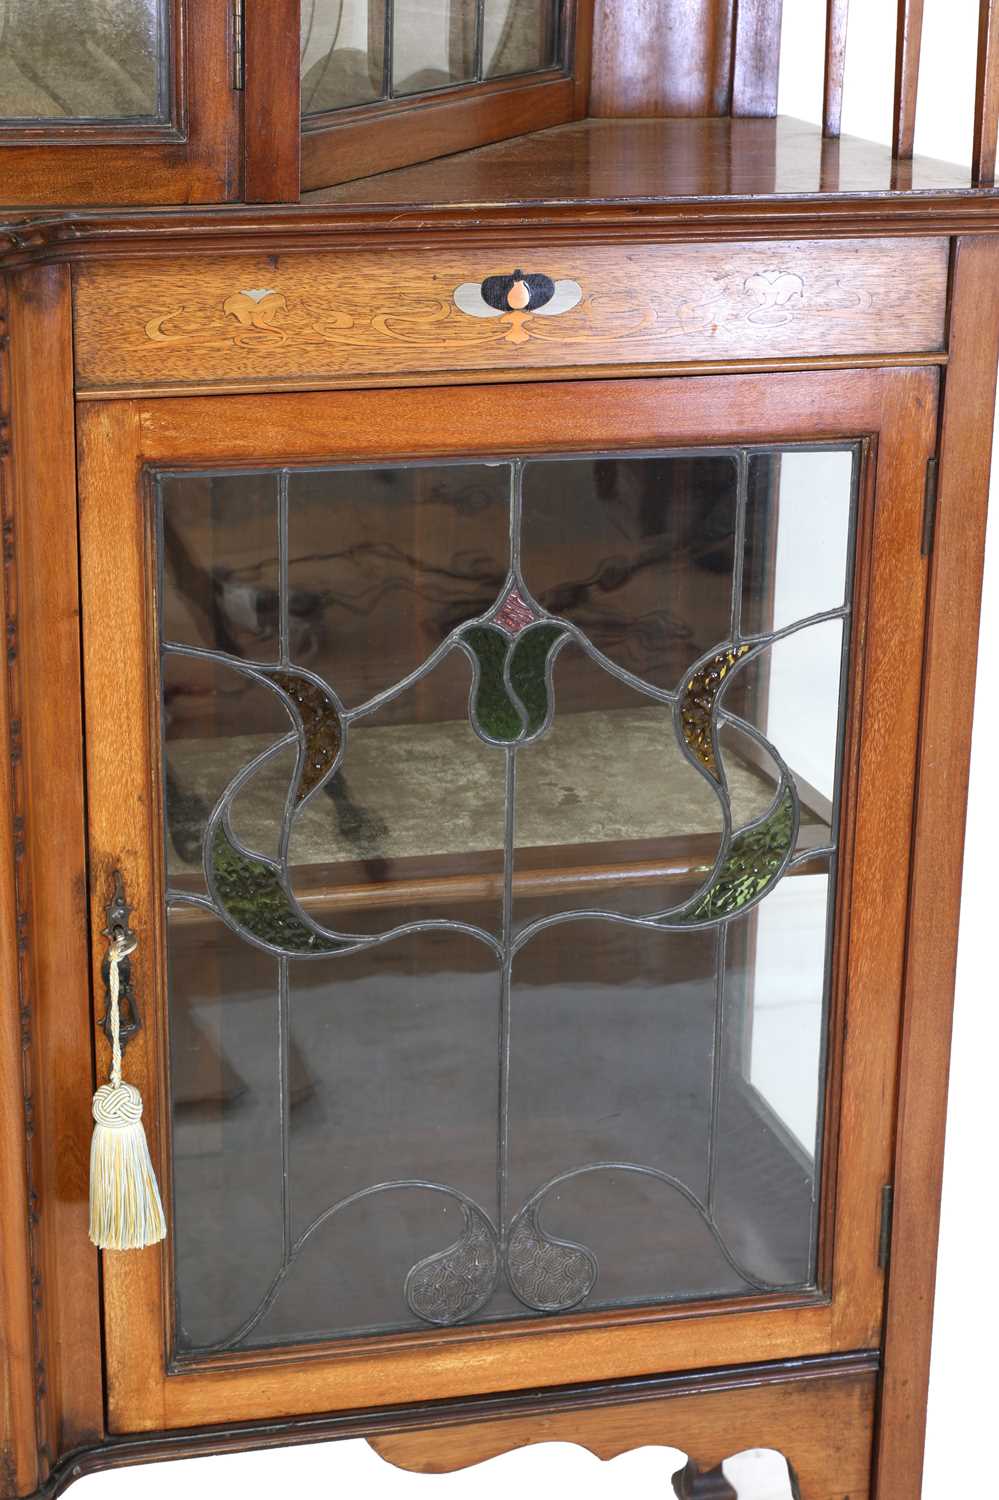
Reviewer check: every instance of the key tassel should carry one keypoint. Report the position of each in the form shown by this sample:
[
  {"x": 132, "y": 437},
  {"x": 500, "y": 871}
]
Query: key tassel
[{"x": 125, "y": 1208}]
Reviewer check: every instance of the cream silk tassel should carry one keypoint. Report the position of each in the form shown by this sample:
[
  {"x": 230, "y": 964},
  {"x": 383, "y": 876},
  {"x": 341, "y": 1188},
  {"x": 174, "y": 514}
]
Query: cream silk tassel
[{"x": 125, "y": 1208}]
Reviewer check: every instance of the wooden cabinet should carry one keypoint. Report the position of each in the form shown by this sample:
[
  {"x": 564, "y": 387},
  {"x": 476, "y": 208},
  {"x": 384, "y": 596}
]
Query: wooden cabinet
[{"x": 507, "y": 657}]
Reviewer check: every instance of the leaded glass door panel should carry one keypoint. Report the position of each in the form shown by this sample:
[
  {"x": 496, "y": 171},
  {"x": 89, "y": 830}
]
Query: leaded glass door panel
[{"x": 521, "y": 857}]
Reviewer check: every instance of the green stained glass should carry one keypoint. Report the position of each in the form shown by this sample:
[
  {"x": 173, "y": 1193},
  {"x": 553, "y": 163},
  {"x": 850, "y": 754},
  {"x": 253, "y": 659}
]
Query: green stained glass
[
  {"x": 529, "y": 671},
  {"x": 253, "y": 898},
  {"x": 493, "y": 710},
  {"x": 755, "y": 860}
]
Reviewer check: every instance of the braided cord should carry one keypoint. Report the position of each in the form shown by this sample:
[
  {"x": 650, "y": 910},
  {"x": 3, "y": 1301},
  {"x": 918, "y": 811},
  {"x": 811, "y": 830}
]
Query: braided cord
[{"x": 120, "y": 948}]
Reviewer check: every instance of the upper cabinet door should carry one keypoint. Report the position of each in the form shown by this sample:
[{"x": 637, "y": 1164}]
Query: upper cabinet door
[
  {"x": 118, "y": 102},
  {"x": 514, "y": 791},
  {"x": 385, "y": 83}
]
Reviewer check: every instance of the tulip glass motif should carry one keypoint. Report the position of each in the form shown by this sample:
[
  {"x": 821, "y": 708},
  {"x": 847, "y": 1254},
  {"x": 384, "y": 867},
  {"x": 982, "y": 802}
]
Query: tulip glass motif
[{"x": 541, "y": 752}]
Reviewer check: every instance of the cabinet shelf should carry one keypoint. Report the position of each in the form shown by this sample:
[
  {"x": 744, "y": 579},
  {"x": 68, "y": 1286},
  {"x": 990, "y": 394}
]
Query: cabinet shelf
[{"x": 653, "y": 161}]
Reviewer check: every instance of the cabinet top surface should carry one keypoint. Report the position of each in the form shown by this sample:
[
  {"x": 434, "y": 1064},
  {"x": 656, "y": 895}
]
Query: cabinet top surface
[{"x": 655, "y": 161}]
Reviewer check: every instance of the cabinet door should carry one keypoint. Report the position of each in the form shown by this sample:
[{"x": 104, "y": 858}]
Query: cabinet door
[
  {"x": 117, "y": 102},
  {"x": 513, "y": 785}
]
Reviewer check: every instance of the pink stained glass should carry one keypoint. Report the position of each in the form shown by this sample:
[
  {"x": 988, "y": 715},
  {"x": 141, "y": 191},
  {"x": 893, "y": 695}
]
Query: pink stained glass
[{"x": 514, "y": 613}]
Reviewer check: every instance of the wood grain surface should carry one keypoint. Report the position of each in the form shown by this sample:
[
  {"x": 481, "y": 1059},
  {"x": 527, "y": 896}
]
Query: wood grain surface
[
  {"x": 260, "y": 322},
  {"x": 662, "y": 57},
  {"x": 53, "y": 933},
  {"x": 633, "y": 165},
  {"x": 756, "y": 57},
  {"x": 272, "y": 65},
  {"x": 379, "y": 139},
  {"x": 908, "y": 43},
  {"x": 822, "y": 1427},
  {"x": 986, "y": 127},
  {"x": 20, "y": 1469},
  {"x": 837, "y": 18}
]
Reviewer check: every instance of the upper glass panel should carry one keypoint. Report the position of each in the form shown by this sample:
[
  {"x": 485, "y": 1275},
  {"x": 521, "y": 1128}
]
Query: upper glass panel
[
  {"x": 85, "y": 60},
  {"x": 501, "y": 836},
  {"x": 361, "y": 51}
]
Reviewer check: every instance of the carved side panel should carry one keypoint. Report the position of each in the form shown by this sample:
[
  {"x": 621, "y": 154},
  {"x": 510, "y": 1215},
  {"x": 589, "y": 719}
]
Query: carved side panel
[
  {"x": 818, "y": 1420},
  {"x": 240, "y": 322}
]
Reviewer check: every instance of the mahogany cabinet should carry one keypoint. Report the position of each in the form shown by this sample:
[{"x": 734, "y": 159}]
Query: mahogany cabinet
[{"x": 499, "y": 630}]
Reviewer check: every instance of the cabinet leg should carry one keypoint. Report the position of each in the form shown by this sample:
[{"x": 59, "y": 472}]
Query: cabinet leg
[{"x": 691, "y": 1484}]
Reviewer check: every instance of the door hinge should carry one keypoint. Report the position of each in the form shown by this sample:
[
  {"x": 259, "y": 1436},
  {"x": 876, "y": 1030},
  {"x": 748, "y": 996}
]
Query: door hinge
[
  {"x": 929, "y": 507},
  {"x": 238, "y": 29},
  {"x": 884, "y": 1235}
]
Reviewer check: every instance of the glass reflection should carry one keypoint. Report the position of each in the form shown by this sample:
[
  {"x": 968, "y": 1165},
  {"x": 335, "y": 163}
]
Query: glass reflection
[
  {"x": 645, "y": 567},
  {"x": 433, "y": 44},
  {"x": 82, "y": 59},
  {"x": 518, "y": 36},
  {"x": 343, "y": 53}
]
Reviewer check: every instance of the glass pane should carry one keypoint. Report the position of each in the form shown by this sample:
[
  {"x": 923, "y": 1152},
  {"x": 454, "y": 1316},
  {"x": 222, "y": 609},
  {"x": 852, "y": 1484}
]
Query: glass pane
[
  {"x": 216, "y": 721},
  {"x": 417, "y": 804},
  {"x": 645, "y": 569},
  {"x": 82, "y": 59},
  {"x": 518, "y": 36},
  {"x": 220, "y": 564},
  {"x": 772, "y": 1054},
  {"x": 433, "y": 44},
  {"x": 343, "y": 53},
  {"x": 225, "y": 1062},
  {"x": 500, "y": 825},
  {"x": 791, "y": 692},
  {"x": 608, "y": 789},
  {"x": 797, "y": 536},
  {"x": 383, "y": 564}
]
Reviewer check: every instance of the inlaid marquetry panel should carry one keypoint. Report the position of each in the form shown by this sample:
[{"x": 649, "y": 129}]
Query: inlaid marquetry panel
[{"x": 235, "y": 322}]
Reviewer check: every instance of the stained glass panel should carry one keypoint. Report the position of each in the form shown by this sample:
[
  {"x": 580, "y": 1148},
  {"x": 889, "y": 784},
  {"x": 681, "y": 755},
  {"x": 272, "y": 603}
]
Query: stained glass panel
[{"x": 523, "y": 809}]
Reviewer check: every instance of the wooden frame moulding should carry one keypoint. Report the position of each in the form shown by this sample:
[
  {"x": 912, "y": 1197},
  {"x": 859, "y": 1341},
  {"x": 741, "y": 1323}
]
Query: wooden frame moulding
[
  {"x": 117, "y": 440},
  {"x": 21, "y": 1415},
  {"x": 52, "y": 994}
]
